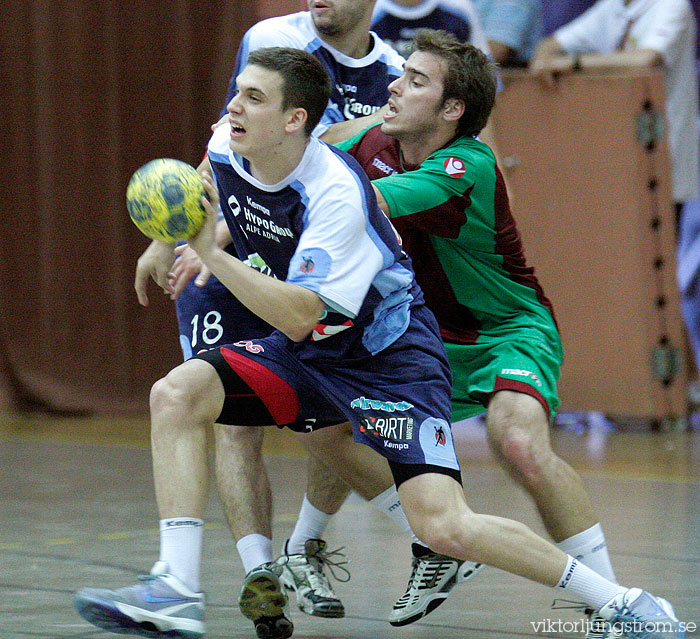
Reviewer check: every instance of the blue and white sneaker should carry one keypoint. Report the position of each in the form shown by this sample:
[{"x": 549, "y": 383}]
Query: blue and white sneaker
[
  {"x": 161, "y": 606},
  {"x": 263, "y": 601},
  {"x": 636, "y": 614}
]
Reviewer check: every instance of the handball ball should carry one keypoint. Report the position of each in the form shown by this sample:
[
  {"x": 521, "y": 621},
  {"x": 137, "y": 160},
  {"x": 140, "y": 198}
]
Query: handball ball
[{"x": 163, "y": 198}]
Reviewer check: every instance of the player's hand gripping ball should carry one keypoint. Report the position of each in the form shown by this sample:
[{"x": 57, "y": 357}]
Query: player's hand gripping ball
[{"x": 164, "y": 200}]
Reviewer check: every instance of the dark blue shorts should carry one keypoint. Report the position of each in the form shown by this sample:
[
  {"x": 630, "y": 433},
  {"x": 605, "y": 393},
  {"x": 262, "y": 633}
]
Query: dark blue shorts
[
  {"x": 398, "y": 400},
  {"x": 211, "y": 316}
]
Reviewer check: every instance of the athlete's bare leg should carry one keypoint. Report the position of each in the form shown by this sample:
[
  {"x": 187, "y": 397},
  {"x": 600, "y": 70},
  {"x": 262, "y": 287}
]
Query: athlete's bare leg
[
  {"x": 183, "y": 405},
  {"x": 332, "y": 450},
  {"x": 324, "y": 487},
  {"x": 241, "y": 475},
  {"x": 518, "y": 433},
  {"x": 439, "y": 515}
]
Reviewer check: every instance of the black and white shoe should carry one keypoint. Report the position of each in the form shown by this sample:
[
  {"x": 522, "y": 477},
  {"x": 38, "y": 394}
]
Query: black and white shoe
[{"x": 432, "y": 578}]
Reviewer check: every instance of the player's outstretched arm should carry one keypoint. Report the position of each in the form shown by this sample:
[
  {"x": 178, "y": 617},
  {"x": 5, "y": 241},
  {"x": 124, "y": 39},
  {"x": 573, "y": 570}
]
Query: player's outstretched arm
[{"x": 155, "y": 263}]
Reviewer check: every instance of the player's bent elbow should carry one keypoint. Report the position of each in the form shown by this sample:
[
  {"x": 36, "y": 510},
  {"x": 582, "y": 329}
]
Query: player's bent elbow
[
  {"x": 297, "y": 326},
  {"x": 303, "y": 315}
]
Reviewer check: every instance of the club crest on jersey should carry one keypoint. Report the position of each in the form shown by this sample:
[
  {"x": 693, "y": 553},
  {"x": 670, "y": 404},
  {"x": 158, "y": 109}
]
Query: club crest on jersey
[
  {"x": 307, "y": 265},
  {"x": 454, "y": 167},
  {"x": 440, "y": 438}
]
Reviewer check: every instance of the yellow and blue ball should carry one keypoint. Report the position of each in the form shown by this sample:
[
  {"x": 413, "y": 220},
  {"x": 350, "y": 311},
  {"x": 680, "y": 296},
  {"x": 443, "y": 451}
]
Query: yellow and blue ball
[{"x": 164, "y": 200}]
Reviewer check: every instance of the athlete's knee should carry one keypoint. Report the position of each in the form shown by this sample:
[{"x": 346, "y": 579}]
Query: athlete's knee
[
  {"x": 189, "y": 391},
  {"x": 456, "y": 534},
  {"x": 166, "y": 392},
  {"x": 518, "y": 434},
  {"x": 436, "y": 536}
]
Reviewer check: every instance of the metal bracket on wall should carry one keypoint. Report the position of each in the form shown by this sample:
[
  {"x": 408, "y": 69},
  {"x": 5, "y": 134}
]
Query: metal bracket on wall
[
  {"x": 650, "y": 125},
  {"x": 665, "y": 361},
  {"x": 666, "y": 358}
]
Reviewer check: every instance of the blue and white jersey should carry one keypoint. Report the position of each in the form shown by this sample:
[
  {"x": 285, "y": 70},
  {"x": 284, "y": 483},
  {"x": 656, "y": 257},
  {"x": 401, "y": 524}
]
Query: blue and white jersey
[
  {"x": 359, "y": 84},
  {"x": 397, "y": 24},
  {"x": 321, "y": 228}
]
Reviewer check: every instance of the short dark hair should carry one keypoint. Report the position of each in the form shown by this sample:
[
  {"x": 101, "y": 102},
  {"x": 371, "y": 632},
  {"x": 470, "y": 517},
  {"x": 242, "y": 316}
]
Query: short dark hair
[
  {"x": 305, "y": 82},
  {"x": 470, "y": 77}
]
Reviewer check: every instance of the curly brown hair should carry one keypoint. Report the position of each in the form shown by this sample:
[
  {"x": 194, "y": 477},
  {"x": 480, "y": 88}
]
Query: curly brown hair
[{"x": 471, "y": 77}]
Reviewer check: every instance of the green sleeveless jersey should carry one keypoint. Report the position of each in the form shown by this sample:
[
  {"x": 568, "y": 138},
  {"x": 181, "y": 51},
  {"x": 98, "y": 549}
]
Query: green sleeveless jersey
[{"x": 453, "y": 214}]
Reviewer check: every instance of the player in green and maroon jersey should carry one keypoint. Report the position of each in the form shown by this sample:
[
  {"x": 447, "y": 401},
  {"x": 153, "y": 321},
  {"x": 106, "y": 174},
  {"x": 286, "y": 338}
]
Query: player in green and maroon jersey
[
  {"x": 452, "y": 212},
  {"x": 444, "y": 193}
]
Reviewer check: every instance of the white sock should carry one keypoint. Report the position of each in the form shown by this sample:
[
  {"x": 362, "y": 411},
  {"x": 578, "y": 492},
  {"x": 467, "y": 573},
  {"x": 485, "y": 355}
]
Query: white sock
[
  {"x": 587, "y": 585},
  {"x": 311, "y": 524},
  {"x": 254, "y": 550},
  {"x": 388, "y": 502},
  {"x": 181, "y": 548},
  {"x": 590, "y": 548}
]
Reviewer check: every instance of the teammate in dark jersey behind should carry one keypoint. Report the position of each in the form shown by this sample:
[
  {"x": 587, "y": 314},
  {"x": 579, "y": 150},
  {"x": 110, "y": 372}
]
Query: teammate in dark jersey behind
[
  {"x": 383, "y": 353},
  {"x": 397, "y": 21}
]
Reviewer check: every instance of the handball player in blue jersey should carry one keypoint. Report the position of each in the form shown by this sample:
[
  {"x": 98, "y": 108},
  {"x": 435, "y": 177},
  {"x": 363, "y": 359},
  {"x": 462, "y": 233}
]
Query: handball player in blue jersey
[
  {"x": 352, "y": 336},
  {"x": 360, "y": 66}
]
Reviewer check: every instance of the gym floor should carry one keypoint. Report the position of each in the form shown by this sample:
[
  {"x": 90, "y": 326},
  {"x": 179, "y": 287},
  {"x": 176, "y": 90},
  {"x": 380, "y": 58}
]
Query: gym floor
[{"x": 78, "y": 509}]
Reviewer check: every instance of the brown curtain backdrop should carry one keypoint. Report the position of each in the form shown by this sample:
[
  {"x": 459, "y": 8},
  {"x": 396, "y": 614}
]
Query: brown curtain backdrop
[
  {"x": 90, "y": 92},
  {"x": 93, "y": 90}
]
